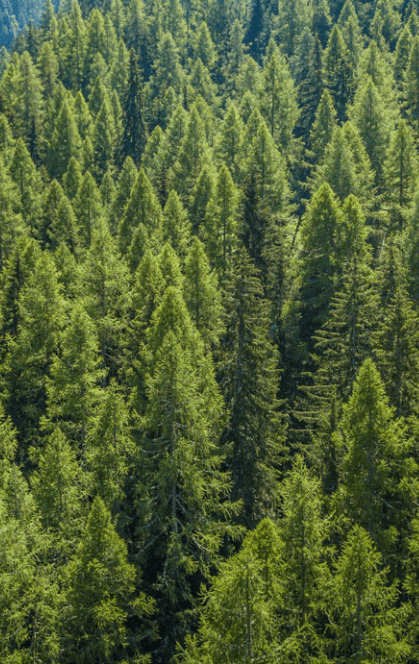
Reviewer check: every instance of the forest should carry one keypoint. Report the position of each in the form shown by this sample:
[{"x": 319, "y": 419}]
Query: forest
[{"x": 209, "y": 332}]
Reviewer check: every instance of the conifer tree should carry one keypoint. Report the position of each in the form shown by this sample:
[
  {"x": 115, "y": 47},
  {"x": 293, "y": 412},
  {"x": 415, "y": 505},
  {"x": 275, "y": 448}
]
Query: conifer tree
[
  {"x": 194, "y": 153},
  {"x": 401, "y": 55},
  {"x": 52, "y": 199},
  {"x": 396, "y": 340},
  {"x": 366, "y": 624},
  {"x": 65, "y": 143},
  {"x": 303, "y": 531},
  {"x": 202, "y": 295},
  {"x": 58, "y": 492},
  {"x": 10, "y": 220},
  {"x": 338, "y": 73},
  {"x": 374, "y": 125},
  {"x": 310, "y": 90},
  {"x": 249, "y": 381},
  {"x": 15, "y": 274},
  {"x": 29, "y": 353},
  {"x": 400, "y": 173},
  {"x": 176, "y": 225},
  {"x": 74, "y": 48},
  {"x": 104, "y": 285},
  {"x": 278, "y": 97},
  {"x": 323, "y": 124},
  {"x": 321, "y": 234},
  {"x": 266, "y": 197},
  {"x": 339, "y": 168},
  {"x": 27, "y": 104},
  {"x": 134, "y": 130},
  {"x": 230, "y": 141},
  {"x": 293, "y": 17},
  {"x": 25, "y": 175},
  {"x": 104, "y": 140},
  {"x": 143, "y": 211},
  {"x": 376, "y": 463},
  {"x": 99, "y": 592},
  {"x": 73, "y": 389},
  {"x": 182, "y": 491},
  {"x": 88, "y": 207},
  {"x": 221, "y": 227},
  {"x": 110, "y": 449},
  {"x": 49, "y": 67},
  {"x": 411, "y": 82},
  {"x": 239, "y": 618}
]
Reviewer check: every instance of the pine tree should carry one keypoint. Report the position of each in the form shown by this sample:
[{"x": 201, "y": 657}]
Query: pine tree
[
  {"x": 104, "y": 140},
  {"x": 48, "y": 66},
  {"x": 200, "y": 84},
  {"x": 10, "y": 220},
  {"x": 401, "y": 56},
  {"x": 27, "y": 104},
  {"x": 266, "y": 196},
  {"x": 343, "y": 342},
  {"x": 339, "y": 168},
  {"x": 321, "y": 20},
  {"x": 411, "y": 82},
  {"x": 15, "y": 274},
  {"x": 374, "y": 124},
  {"x": 193, "y": 155},
  {"x": 74, "y": 48},
  {"x": 396, "y": 340},
  {"x": 230, "y": 141},
  {"x": 204, "y": 48},
  {"x": 52, "y": 199},
  {"x": 28, "y": 179},
  {"x": 126, "y": 180},
  {"x": 293, "y": 17}
]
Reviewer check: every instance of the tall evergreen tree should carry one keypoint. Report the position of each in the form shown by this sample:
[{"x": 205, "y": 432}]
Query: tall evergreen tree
[
  {"x": 134, "y": 129},
  {"x": 249, "y": 381}
]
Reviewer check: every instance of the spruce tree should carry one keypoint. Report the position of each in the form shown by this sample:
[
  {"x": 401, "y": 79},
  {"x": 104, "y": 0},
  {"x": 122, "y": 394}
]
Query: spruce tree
[
  {"x": 134, "y": 129},
  {"x": 249, "y": 382},
  {"x": 182, "y": 490}
]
